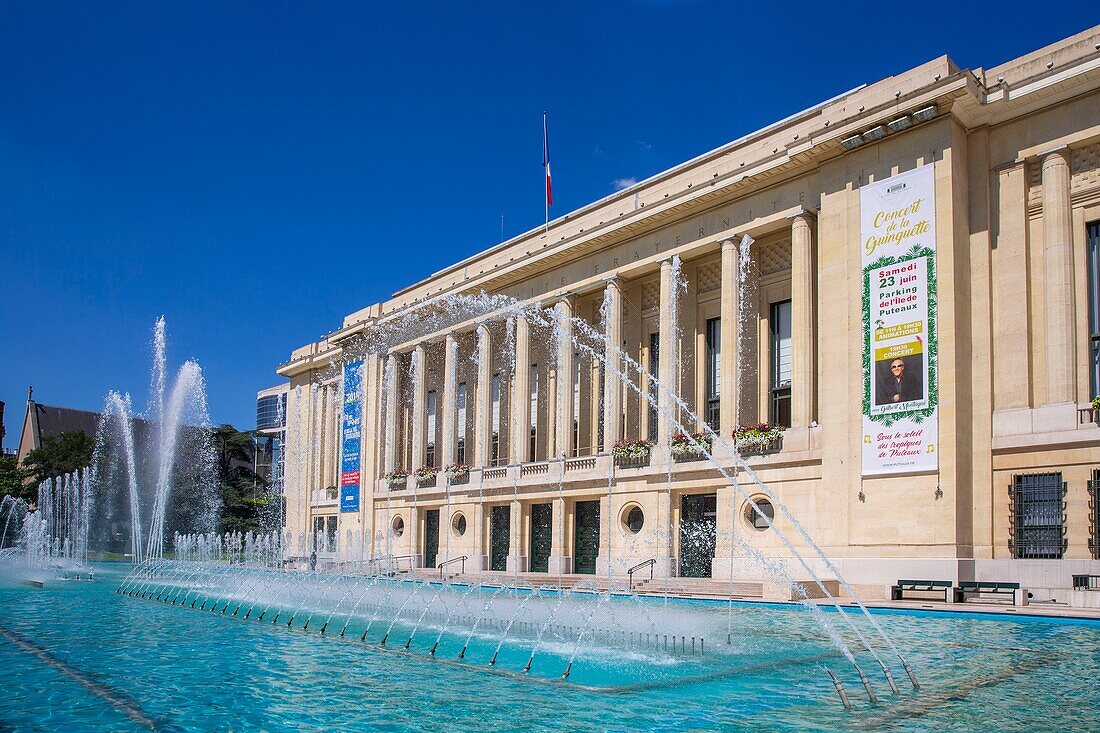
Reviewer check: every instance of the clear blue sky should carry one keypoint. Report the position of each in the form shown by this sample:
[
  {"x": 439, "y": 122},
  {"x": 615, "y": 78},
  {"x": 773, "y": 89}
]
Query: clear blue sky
[{"x": 255, "y": 171}]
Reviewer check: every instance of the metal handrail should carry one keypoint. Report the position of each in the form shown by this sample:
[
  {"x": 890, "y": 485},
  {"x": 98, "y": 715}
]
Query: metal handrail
[
  {"x": 390, "y": 558},
  {"x": 630, "y": 573},
  {"x": 462, "y": 559}
]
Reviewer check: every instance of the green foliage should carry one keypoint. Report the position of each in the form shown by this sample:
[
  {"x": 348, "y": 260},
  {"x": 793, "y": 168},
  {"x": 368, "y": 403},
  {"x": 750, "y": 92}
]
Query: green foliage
[
  {"x": 244, "y": 493},
  {"x": 12, "y": 480},
  {"x": 59, "y": 454}
]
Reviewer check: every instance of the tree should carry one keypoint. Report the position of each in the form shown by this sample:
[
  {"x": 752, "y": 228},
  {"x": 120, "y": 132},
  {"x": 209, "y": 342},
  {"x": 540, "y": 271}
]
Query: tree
[
  {"x": 58, "y": 455},
  {"x": 244, "y": 492},
  {"x": 13, "y": 479}
]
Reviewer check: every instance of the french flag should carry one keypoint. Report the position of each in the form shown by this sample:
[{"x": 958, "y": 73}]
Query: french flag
[{"x": 546, "y": 162}]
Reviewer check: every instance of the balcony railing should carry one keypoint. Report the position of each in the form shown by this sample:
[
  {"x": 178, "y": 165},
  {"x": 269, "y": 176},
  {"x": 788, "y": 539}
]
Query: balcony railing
[
  {"x": 494, "y": 474},
  {"x": 586, "y": 463},
  {"x": 534, "y": 469},
  {"x": 1086, "y": 415}
]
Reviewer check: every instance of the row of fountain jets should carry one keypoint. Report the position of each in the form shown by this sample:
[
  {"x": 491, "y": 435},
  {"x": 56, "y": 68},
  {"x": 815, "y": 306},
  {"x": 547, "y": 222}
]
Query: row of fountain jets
[{"x": 185, "y": 404}]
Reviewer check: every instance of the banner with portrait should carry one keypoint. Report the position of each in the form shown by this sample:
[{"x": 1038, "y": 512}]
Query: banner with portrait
[{"x": 900, "y": 390}]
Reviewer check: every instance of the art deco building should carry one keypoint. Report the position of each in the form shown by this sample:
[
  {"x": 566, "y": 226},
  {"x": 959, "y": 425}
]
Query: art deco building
[{"x": 904, "y": 279}]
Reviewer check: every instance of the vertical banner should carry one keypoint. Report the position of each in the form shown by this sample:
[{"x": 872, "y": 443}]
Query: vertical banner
[
  {"x": 900, "y": 390},
  {"x": 351, "y": 437}
]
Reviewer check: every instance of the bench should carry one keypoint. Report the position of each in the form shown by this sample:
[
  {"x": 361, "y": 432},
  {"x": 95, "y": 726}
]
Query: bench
[
  {"x": 898, "y": 591},
  {"x": 983, "y": 587}
]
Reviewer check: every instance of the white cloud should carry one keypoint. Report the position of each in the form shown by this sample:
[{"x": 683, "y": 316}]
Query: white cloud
[{"x": 621, "y": 183}]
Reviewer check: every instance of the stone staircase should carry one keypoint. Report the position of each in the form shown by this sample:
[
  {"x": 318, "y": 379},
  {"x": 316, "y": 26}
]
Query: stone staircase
[
  {"x": 699, "y": 588},
  {"x": 687, "y": 587}
]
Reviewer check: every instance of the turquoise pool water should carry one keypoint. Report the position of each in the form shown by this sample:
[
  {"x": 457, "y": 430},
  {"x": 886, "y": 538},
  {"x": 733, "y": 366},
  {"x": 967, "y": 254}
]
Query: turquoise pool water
[{"x": 76, "y": 656}]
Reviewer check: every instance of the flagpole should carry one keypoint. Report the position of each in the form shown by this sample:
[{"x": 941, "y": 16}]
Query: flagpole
[{"x": 545, "y": 164}]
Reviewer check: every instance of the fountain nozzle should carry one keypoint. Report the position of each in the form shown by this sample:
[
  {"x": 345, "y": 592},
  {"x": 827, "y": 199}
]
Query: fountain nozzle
[
  {"x": 867, "y": 686},
  {"x": 565, "y": 674},
  {"x": 909, "y": 671},
  {"x": 839, "y": 690},
  {"x": 889, "y": 678}
]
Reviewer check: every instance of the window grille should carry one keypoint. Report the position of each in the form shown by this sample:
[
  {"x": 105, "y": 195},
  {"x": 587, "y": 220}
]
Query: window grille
[
  {"x": 1094, "y": 515},
  {"x": 654, "y": 361},
  {"x": 1037, "y": 519},
  {"x": 1093, "y": 260},
  {"x": 713, "y": 372},
  {"x": 780, "y": 324}
]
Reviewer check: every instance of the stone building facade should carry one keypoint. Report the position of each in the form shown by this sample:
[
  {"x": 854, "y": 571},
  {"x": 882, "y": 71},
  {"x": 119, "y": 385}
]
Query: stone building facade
[{"x": 1012, "y": 157}]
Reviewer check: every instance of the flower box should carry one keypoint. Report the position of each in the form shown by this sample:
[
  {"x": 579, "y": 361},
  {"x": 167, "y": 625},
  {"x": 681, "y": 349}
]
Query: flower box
[
  {"x": 425, "y": 476},
  {"x": 397, "y": 479},
  {"x": 686, "y": 447},
  {"x": 632, "y": 453},
  {"x": 758, "y": 439},
  {"x": 457, "y": 474}
]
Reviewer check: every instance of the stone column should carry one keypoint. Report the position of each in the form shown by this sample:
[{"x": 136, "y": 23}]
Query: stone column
[
  {"x": 804, "y": 330},
  {"x": 414, "y": 535},
  {"x": 450, "y": 400},
  {"x": 728, "y": 358},
  {"x": 1058, "y": 279},
  {"x": 559, "y": 562},
  {"x": 613, "y": 384},
  {"x": 420, "y": 398},
  {"x": 369, "y": 473},
  {"x": 389, "y": 380},
  {"x": 563, "y": 446},
  {"x": 521, "y": 394},
  {"x": 666, "y": 564},
  {"x": 483, "y": 408},
  {"x": 517, "y": 561},
  {"x": 479, "y": 560},
  {"x": 667, "y": 370}
]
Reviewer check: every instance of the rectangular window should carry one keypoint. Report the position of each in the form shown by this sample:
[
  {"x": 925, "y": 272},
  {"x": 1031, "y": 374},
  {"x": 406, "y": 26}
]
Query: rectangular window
[
  {"x": 780, "y": 367},
  {"x": 654, "y": 356},
  {"x": 1093, "y": 260},
  {"x": 460, "y": 441},
  {"x": 600, "y": 419},
  {"x": 713, "y": 373},
  {"x": 1037, "y": 516},
  {"x": 429, "y": 453},
  {"x": 576, "y": 404},
  {"x": 494, "y": 445},
  {"x": 534, "y": 411},
  {"x": 1094, "y": 519}
]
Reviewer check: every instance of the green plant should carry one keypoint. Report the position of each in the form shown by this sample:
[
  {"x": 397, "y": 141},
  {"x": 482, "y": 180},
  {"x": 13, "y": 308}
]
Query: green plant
[
  {"x": 633, "y": 449},
  {"x": 756, "y": 437},
  {"x": 691, "y": 445},
  {"x": 456, "y": 470}
]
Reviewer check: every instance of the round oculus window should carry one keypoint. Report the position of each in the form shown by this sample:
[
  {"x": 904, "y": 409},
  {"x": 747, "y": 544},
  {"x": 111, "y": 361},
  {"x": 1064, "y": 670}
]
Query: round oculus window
[
  {"x": 458, "y": 523},
  {"x": 755, "y": 518}
]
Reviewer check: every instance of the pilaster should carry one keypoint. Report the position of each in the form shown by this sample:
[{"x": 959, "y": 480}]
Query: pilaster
[
  {"x": 803, "y": 316},
  {"x": 1058, "y": 282}
]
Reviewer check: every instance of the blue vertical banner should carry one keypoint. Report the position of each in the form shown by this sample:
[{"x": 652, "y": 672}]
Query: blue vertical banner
[{"x": 352, "y": 437}]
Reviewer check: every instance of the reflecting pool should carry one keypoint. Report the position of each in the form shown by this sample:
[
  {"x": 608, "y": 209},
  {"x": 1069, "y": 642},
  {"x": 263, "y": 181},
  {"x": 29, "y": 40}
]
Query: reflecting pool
[{"x": 81, "y": 657}]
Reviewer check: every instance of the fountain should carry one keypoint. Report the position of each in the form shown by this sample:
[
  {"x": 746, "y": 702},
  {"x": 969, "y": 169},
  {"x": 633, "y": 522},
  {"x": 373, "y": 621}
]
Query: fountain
[{"x": 513, "y": 622}]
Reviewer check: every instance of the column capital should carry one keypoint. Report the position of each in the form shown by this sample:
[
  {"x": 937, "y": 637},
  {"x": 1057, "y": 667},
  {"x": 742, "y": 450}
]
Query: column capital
[
  {"x": 1059, "y": 153},
  {"x": 806, "y": 215}
]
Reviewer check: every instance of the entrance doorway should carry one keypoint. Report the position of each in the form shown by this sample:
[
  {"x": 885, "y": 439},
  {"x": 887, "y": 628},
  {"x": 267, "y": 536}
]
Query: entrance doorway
[
  {"x": 499, "y": 532},
  {"x": 431, "y": 537},
  {"x": 586, "y": 537},
  {"x": 541, "y": 520},
  {"x": 698, "y": 534}
]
